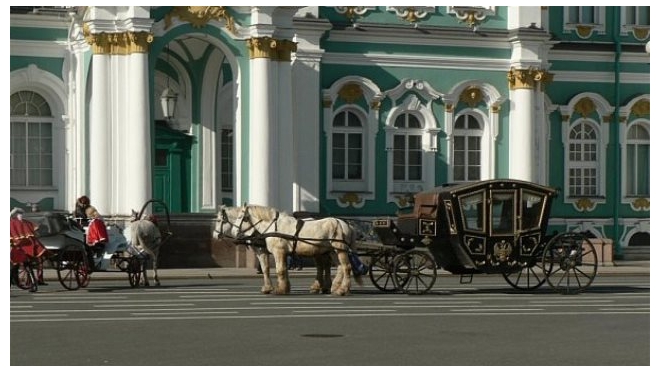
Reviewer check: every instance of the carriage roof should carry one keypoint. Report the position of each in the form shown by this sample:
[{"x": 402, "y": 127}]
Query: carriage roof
[{"x": 448, "y": 190}]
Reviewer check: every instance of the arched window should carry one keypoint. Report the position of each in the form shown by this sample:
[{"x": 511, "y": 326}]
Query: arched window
[
  {"x": 467, "y": 148},
  {"x": 347, "y": 147},
  {"x": 407, "y": 148},
  {"x": 31, "y": 148},
  {"x": 583, "y": 153},
  {"x": 638, "y": 156}
]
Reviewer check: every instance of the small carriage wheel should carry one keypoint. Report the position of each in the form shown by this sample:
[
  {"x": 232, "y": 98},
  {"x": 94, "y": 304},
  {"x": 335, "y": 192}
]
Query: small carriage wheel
[
  {"x": 134, "y": 269},
  {"x": 414, "y": 272},
  {"x": 26, "y": 278},
  {"x": 69, "y": 260},
  {"x": 381, "y": 271},
  {"x": 84, "y": 273},
  {"x": 527, "y": 279},
  {"x": 570, "y": 263}
]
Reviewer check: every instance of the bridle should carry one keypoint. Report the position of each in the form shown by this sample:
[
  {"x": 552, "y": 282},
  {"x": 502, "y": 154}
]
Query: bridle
[
  {"x": 224, "y": 219},
  {"x": 252, "y": 226}
]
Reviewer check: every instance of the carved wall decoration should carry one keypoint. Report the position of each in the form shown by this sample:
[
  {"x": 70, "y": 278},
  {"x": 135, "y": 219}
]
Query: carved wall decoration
[
  {"x": 471, "y": 96},
  {"x": 350, "y": 92},
  {"x": 642, "y": 108},
  {"x": 585, "y": 107},
  {"x": 199, "y": 16}
]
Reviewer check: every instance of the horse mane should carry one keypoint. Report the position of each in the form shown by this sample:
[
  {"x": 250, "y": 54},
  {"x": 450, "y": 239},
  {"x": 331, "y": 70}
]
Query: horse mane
[{"x": 264, "y": 212}]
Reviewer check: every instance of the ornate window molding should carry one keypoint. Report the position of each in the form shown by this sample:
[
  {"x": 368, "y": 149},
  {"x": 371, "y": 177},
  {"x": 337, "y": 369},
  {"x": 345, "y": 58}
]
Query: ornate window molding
[
  {"x": 353, "y": 12},
  {"x": 634, "y": 129},
  {"x": 592, "y": 112},
  {"x": 412, "y": 14},
  {"x": 362, "y": 97},
  {"x": 635, "y": 20},
  {"x": 472, "y": 93},
  {"x": 584, "y": 20},
  {"x": 414, "y": 98},
  {"x": 472, "y": 16}
]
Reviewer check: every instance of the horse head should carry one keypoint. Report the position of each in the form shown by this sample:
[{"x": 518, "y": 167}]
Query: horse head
[{"x": 225, "y": 222}]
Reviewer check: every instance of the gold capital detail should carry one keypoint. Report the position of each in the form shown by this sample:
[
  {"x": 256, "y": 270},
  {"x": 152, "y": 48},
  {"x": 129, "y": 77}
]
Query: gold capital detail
[
  {"x": 350, "y": 92},
  {"x": 449, "y": 108},
  {"x": 585, "y": 107},
  {"x": 284, "y": 50},
  {"x": 263, "y": 47},
  {"x": 471, "y": 96},
  {"x": 528, "y": 78},
  {"x": 199, "y": 16},
  {"x": 641, "y": 108},
  {"x": 121, "y": 43}
]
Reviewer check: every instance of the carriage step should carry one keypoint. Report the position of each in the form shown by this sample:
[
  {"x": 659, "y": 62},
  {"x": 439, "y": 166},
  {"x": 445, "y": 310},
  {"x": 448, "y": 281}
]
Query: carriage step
[{"x": 466, "y": 278}]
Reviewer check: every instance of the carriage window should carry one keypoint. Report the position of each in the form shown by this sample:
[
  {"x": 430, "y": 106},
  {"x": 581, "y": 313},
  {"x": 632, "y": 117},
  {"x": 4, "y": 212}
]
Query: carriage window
[
  {"x": 502, "y": 213},
  {"x": 532, "y": 210},
  {"x": 472, "y": 209}
]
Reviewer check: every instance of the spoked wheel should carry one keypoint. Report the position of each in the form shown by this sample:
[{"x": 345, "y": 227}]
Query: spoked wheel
[
  {"x": 570, "y": 263},
  {"x": 26, "y": 278},
  {"x": 381, "y": 272},
  {"x": 71, "y": 263},
  {"x": 84, "y": 273},
  {"x": 527, "y": 279},
  {"x": 414, "y": 272},
  {"x": 135, "y": 268}
]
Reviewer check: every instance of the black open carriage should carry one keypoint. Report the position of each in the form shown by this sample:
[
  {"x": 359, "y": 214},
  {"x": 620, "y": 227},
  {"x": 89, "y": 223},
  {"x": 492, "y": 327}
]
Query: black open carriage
[
  {"x": 494, "y": 226},
  {"x": 69, "y": 255}
]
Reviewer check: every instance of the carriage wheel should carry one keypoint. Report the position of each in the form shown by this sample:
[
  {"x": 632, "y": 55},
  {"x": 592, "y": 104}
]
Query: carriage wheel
[
  {"x": 134, "y": 269},
  {"x": 84, "y": 273},
  {"x": 26, "y": 278},
  {"x": 570, "y": 263},
  {"x": 414, "y": 272},
  {"x": 69, "y": 262},
  {"x": 527, "y": 279},
  {"x": 381, "y": 270}
]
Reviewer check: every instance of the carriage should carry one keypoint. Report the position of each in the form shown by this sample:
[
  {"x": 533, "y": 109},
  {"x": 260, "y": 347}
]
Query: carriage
[
  {"x": 485, "y": 227},
  {"x": 69, "y": 256}
]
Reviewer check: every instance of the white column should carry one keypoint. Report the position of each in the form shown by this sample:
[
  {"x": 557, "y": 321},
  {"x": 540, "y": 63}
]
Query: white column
[
  {"x": 521, "y": 134},
  {"x": 99, "y": 134},
  {"x": 286, "y": 154},
  {"x": 262, "y": 182},
  {"x": 138, "y": 143}
]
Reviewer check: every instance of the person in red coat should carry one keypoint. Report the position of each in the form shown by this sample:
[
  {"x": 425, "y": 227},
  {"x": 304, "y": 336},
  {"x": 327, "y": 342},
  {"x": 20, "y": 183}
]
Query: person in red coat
[
  {"x": 97, "y": 232},
  {"x": 24, "y": 243}
]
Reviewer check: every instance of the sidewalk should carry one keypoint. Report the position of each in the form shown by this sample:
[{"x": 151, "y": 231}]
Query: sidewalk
[{"x": 641, "y": 268}]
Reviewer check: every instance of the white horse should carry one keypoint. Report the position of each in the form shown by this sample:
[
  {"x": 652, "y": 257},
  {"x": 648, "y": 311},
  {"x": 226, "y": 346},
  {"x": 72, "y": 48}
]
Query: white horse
[
  {"x": 286, "y": 235},
  {"x": 226, "y": 227},
  {"x": 144, "y": 237}
]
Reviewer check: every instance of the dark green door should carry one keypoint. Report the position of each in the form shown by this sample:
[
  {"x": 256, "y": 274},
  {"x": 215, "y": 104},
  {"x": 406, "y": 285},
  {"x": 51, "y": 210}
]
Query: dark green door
[{"x": 171, "y": 182}]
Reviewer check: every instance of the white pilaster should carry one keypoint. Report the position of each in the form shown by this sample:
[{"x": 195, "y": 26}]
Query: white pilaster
[
  {"x": 137, "y": 138},
  {"x": 99, "y": 134},
  {"x": 285, "y": 175}
]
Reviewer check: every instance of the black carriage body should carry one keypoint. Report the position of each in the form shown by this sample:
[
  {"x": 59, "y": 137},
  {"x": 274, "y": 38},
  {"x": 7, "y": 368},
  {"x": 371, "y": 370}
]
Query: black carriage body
[{"x": 492, "y": 226}]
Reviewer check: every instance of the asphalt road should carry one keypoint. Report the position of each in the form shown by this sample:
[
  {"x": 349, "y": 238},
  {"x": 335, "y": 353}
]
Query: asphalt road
[{"x": 228, "y": 322}]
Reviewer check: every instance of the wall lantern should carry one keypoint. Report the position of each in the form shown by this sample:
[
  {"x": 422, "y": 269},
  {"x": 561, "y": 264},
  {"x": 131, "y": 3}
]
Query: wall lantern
[{"x": 169, "y": 97}]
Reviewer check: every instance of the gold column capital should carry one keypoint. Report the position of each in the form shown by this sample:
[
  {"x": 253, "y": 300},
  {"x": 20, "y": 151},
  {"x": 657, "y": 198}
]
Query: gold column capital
[
  {"x": 520, "y": 78},
  {"x": 284, "y": 50},
  {"x": 262, "y": 47},
  {"x": 120, "y": 43}
]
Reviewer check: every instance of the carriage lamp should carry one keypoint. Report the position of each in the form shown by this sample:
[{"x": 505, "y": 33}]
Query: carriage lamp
[{"x": 168, "y": 103}]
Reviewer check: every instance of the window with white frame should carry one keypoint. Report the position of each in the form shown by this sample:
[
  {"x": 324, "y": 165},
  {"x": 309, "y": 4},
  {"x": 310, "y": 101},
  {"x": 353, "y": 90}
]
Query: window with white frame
[
  {"x": 407, "y": 148},
  {"x": 467, "y": 148},
  {"x": 31, "y": 148},
  {"x": 583, "y": 155},
  {"x": 637, "y": 157},
  {"x": 347, "y": 149},
  {"x": 636, "y": 15},
  {"x": 582, "y": 14}
]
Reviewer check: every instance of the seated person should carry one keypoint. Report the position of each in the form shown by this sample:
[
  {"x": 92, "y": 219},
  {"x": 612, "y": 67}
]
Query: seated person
[{"x": 97, "y": 232}]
